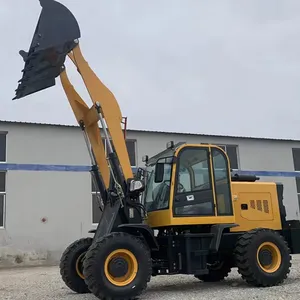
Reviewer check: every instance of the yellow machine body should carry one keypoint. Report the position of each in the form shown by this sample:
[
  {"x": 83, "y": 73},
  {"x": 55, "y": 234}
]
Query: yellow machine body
[
  {"x": 262, "y": 204},
  {"x": 253, "y": 203}
]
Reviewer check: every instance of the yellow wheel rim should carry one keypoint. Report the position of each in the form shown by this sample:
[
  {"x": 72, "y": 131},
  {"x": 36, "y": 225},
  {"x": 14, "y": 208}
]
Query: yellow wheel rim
[
  {"x": 274, "y": 257},
  {"x": 132, "y": 267},
  {"x": 78, "y": 265}
]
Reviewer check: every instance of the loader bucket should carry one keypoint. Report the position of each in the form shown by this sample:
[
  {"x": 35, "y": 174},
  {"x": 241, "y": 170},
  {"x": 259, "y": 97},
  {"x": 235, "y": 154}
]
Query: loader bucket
[{"x": 56, "y": 34}]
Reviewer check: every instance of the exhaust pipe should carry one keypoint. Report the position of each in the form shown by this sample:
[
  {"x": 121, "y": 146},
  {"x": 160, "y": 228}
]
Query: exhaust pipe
[{"x": 56, "y": 34}]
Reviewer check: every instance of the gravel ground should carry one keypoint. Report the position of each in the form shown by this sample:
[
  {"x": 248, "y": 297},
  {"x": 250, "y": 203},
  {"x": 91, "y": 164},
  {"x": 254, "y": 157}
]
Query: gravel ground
[{"x": 44, "y": 283}]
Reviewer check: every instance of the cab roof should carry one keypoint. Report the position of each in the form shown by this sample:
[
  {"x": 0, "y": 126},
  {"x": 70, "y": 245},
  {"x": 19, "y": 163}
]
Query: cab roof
[{"x": 169, "y": 152}]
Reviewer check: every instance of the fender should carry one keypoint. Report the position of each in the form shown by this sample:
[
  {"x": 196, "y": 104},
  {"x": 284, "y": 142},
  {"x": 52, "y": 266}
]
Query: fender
[
  {"x": 136, "y": 229},
  {"x": 217, "y": 231},
  {"x": 144, "y": 230}
]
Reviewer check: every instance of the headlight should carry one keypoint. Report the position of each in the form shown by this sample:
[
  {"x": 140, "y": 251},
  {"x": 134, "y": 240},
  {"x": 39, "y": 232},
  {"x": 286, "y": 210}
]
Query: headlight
[{"x": 136, "y": 185}]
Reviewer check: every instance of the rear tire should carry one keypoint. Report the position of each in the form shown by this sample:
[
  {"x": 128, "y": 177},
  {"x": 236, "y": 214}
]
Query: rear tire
[
  {"x": 71, "y": 265},
  {"x": 263, "y": 257},
  {"x": 128, "y": 272}
]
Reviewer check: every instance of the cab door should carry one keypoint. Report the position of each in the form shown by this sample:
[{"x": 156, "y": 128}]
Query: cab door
[
  {"x": 222, "y": 182},
  {"x": 202, "y": 183},
  {"x": 193, "y": 190}
]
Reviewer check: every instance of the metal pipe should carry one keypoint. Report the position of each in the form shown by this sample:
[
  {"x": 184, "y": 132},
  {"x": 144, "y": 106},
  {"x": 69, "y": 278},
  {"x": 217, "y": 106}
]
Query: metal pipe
[
  {"x": 88, "y": 144},
  {"x": 96, "y": 178},
  {"x": 110, "y": 148}
]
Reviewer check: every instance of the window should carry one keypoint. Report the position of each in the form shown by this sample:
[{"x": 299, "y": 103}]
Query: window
[
  {"x": 96, "y": 200},
  {"x": 2, "y": 180},
  {"x": 131, "y": 148},
  {"x": 231, "y": 151},
  {"x": 221, "y": 176},
  {"x": 2, "y": 147},
  {"x": 157, "y": 194},
  {"x": 2, "y": 198},
  {"x": 2, "y": 210},
  {"x": 296, "y": 159},
  {"x": 194, "y": 194},
  {"x": 96, "y": 197},
  {"x": 185, "y": 179}
]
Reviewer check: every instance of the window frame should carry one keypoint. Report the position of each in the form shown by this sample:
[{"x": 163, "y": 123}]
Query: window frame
[
  {"x": 134, "y": 141},
  {"x": 127, "y": 140},
  {"x": 167, "y": 207},
  {"x": 231, "y": 212},
  {"x": 210, "y": 190},
  {"x": 224, "y": 147},
  {"x": 5, "y": 152},
  {"x": 297, "y": 179},
  {"x": 3, "y": 226},
  {"x": 192, "y": 173},
  {"x": 94, "y": 194}
]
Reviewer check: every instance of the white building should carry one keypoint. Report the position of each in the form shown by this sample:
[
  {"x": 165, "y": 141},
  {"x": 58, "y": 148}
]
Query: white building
[{"x": 46, "y": 199}]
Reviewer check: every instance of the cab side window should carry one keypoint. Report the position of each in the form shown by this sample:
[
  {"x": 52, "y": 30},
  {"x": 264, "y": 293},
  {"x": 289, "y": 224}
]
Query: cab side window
[
  {"x": 222, "y": 183},
  {"x": 202, "y": 175},
  {"x": 184, "y": 181}
]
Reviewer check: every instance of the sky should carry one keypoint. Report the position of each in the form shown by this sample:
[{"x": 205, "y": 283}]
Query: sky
[{"x": 210, "y": 67}]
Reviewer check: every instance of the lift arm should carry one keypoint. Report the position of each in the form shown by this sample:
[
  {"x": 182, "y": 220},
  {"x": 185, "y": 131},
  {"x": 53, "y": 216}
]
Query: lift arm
[
  {"x": 106, "y": 110},
  {"x": 56, "y": 38}
]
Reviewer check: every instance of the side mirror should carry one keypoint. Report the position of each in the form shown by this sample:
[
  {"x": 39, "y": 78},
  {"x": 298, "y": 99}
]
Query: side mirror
[{"x": 159, "y": 172}]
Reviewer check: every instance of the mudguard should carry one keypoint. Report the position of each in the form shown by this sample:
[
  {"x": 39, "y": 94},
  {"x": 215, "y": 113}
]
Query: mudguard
[{"x": 143, "y": 229}]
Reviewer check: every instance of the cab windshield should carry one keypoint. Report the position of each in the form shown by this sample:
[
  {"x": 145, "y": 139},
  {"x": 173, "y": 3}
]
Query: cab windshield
[{"x": 157, "y": 194}]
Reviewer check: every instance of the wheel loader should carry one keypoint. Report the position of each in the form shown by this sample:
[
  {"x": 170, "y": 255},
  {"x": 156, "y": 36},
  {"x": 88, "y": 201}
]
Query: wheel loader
[{"x": 184, "y": 212}]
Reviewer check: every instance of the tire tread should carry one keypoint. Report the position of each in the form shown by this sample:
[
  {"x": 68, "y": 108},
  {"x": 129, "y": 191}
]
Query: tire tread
[
  {"x": 91, "y": 261},
  {"x": 75, "y": 284},
  {"x": 248, "y": 271}
]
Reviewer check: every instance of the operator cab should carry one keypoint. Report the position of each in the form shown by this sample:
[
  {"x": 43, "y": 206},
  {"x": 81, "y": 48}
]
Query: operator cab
[{"x": 191, "y": 182}]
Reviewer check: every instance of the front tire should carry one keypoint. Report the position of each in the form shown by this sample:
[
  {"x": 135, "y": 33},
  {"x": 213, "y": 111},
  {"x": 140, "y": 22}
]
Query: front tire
[
  {"x": 263, "y": 257},
  {"x": 71, "y": 265},
  {"x": 118, "y": 266}
]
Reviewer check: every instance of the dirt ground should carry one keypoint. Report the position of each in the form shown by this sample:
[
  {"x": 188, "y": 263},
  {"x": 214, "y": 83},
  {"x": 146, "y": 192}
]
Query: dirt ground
[{"x": 44, "y": 283}]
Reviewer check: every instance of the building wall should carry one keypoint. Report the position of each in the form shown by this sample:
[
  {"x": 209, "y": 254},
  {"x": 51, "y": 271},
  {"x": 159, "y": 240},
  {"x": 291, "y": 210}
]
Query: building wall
[
  {"x": 62, "y": 198},
  {"x": 47, "y": 210}
]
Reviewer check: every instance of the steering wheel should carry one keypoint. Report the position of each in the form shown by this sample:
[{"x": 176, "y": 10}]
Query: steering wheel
[
  {"x": 181, "y": 188},
  {"x": 157, "y": 199},
  {"x": 167, "y": 182}
]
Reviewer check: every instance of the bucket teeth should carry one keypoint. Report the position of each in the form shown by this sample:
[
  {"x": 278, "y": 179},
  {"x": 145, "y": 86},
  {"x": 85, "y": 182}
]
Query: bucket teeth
[{"x": 23, "y": 54}]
